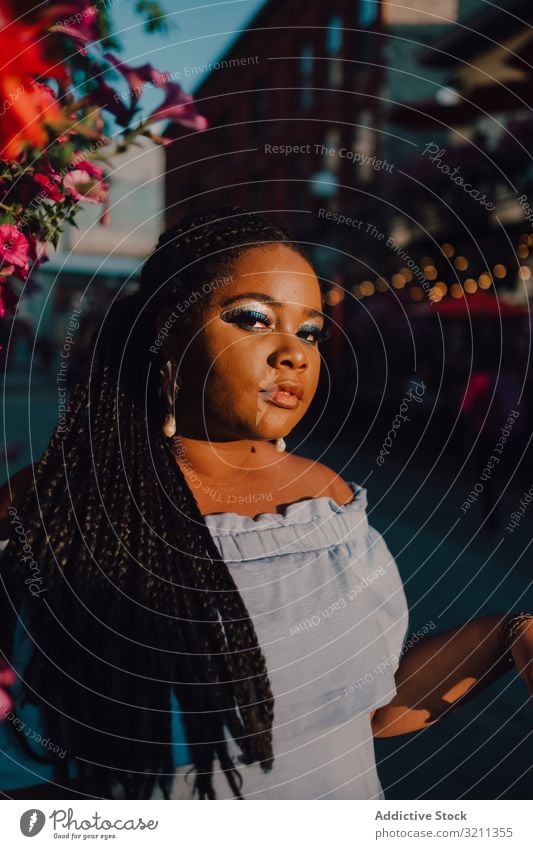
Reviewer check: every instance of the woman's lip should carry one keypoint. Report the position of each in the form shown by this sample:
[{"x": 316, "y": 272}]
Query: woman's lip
[{"x": 281, "y": 398}]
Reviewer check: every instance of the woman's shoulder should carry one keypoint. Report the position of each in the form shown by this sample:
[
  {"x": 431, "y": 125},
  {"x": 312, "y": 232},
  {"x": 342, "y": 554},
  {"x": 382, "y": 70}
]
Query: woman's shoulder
[{"x": 318, "y": 479}]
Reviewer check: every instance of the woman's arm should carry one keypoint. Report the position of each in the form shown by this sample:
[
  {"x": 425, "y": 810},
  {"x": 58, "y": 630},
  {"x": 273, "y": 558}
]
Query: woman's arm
[{"x": 445, "y": 670}]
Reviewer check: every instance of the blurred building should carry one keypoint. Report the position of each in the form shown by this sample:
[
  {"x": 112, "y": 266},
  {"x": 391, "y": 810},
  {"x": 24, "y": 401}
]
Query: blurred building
[
  {"x": 337, "y": 112},
  {"x": 292, "y": 98}
]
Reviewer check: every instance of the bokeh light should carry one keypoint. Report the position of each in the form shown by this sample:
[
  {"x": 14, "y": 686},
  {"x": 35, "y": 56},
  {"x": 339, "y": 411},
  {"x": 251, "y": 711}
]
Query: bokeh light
[{"x": 398, "y": 281}]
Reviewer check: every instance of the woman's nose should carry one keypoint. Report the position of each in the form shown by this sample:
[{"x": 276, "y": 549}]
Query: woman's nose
[{"x": 289, "y": 353}]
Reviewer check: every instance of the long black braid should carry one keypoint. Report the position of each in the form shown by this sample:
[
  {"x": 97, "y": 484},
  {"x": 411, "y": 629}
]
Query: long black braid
[{"x": 134, "y": 597}]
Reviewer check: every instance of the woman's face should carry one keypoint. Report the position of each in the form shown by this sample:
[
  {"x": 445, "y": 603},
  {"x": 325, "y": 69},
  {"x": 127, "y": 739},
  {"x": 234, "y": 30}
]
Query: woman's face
[{"x": 251, "y": 365}]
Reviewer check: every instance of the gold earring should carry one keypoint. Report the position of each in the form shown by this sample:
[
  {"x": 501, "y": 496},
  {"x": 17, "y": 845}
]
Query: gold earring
[{"x": 171, "y": 386}]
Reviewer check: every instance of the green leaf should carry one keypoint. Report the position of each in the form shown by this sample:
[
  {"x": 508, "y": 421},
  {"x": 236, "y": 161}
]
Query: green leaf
[{"x": 156, "y": 20}]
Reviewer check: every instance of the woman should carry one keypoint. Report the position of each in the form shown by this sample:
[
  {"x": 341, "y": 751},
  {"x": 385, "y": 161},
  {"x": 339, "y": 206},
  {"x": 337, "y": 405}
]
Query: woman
[{"x": 210, "y": 616}]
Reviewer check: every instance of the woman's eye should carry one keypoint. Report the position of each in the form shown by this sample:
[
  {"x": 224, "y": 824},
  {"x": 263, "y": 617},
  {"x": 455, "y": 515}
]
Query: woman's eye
[
  {"x": 255, "y": 318},
  {"x": 314, "y": 335},
  {"x": 247, "y": 318},
  {"x": 252, "y": 319}
]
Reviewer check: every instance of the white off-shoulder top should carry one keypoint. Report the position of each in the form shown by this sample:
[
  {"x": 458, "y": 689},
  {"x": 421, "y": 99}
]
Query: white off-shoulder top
[{"x": 329, "y": 608}]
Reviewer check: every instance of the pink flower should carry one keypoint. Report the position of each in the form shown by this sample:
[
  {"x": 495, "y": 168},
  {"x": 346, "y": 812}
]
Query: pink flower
[
  {"x": 7, "y": 679},
  {"x": 178, "y": 106},
  {"x": 82, "y": 26},
  {"x": 82, "y": 186},
  {"x": 107, "y": 98},
  {"x": 48, "y": 187},
  {"x": 92, "y": 170},
  {"x": 6, "y": 704},
  {"x": 136, "y": 78},
  {"x": 14, "y": 246},
  {"x": 7, "y": 675}
]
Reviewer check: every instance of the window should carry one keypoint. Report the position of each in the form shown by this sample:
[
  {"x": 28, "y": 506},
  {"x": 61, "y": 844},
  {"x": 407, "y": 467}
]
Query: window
[
  {"x": 335, "y": 76},
  {"x": 331, "y": 144},
  {"x": 334, "y": 36},
  {"x": 364, "y": 147},
  {"x": 306, "y": 62},
  {"x": 367, "y": 12}
]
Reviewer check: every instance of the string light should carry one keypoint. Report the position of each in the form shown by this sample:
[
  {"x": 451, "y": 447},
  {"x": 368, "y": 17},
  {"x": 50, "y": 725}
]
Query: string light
[
  {"x": 398, "y": 281},
  {"x": 470, "y": 285},
  {"x": 367, "y": 288},
  {"x": 435, "y": 294},
  {"x": 439, "y": 289},
  {"x": 334, "y": 297}
]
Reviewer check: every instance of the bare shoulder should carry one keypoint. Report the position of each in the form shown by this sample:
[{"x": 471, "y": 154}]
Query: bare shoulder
[{"x": 320, "y": 480}]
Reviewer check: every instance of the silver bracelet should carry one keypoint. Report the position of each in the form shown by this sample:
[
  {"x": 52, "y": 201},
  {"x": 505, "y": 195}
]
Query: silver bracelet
[{"x": 508, "y": 631}]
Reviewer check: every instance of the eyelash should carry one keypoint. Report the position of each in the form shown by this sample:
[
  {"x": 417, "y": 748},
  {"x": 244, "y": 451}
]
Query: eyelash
[{"x": 244, "y": 316}]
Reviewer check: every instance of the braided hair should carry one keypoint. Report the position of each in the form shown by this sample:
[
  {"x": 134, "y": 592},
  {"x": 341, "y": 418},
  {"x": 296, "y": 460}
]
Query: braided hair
[{"x": 135, "y": 602}]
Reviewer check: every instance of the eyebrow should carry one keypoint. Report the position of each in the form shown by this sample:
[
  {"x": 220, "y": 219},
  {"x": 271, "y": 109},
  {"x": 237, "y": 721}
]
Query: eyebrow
[{"x": 267, "y": 299}]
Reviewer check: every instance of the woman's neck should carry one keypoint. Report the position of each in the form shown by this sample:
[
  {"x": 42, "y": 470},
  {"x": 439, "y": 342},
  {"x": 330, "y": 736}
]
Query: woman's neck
[{"x": 223, "y": 462}]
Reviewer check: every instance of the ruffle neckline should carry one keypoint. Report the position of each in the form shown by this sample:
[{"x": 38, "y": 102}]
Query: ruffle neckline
[
  {"x": 307, "y": 525},
  {"x": 296, "y": 512}
]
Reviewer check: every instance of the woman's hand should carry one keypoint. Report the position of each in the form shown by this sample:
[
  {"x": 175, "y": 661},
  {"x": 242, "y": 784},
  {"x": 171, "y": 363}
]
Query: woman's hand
[
  {"x": 7, "y": 679},
  {"x": 522, "y": 651}
]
